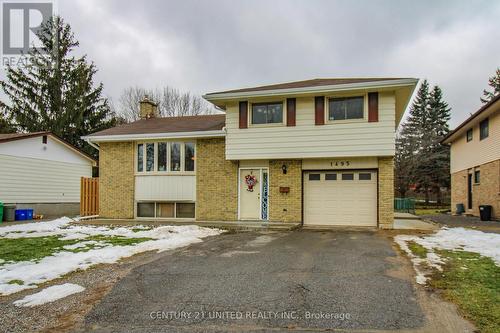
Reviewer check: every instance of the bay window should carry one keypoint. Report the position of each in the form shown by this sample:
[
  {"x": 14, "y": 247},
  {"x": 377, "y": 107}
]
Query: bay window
[
  {"x": 165, "y": 157},
  {"x": 175, "y": 156}
]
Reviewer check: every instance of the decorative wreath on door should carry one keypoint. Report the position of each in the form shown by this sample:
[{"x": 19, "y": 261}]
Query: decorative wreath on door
[{"x": 250, "y": 180}]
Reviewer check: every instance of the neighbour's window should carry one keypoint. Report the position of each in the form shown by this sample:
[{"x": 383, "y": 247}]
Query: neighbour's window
[
  {"x": 346, "y": 108},
  {"x": 162, "y": 156},
  {"x": 189, "y": 157},
  {"x": 150, "y": 156},
  {"x": 347, "y": 176},
  {"x": 483, "y": 129},
  {"x": 477, "y": 176},
  {"x": 365, "y": 176},
  {"x": 175, "y": 157},
  {"x": 267, "y": 113},
  {"x": 469, "y": 135},
  {"x": 140, "y": 157},
  {"x": 331, "y": 176},
  {"x": 314, "y": 176}
]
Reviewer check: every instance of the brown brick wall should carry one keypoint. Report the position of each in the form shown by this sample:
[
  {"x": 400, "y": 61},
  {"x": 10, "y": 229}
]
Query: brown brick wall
[
  {"x": 487, "y": 192},
  {"x": 386, "y": 192},
  {"x": 285, "y": 207},
  {"x": 216, "y": 182},
  {"x": 116, "y": 179}
]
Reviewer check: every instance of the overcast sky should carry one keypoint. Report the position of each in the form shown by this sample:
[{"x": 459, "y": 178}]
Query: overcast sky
[{"x": 205, "y": 46}]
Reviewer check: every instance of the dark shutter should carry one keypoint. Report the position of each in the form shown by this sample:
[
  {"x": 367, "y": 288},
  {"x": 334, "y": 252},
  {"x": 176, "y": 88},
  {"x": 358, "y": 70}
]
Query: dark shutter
[
  {"x": 373, "y": 107},
  {"x": 290, "y": 112},
  {"x": 243, "y": 114},
  {"x": 319, "y": 110}
]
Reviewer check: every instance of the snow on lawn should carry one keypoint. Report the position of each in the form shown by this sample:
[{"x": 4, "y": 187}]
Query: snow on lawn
[
  {"x": 32, "y": 273},
  {"x": 50, "y": 294},
  {"x": 486, "y": 244}
]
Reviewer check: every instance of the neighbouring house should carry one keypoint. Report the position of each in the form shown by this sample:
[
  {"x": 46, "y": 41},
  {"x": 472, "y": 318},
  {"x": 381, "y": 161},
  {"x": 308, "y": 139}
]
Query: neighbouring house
[
  {"x": 475, "y": 160},
  {"x": 42, "y": 171},
  {"x": 318, "y": 151}
]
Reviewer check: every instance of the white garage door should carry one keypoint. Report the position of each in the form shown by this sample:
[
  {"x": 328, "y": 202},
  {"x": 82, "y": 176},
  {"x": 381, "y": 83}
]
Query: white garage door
[{"x": 340, "y": 198}]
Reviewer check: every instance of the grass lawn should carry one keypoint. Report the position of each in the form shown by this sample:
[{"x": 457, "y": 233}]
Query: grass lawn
[
  {"x": 429, "y": 211},
  {"x": 472, "y": 282},
  {"x": 36, "y": 248}
]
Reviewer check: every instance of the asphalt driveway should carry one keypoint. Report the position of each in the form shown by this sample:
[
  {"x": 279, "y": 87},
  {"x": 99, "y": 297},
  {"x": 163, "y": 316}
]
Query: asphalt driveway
[{"x": 257, "y": 281}]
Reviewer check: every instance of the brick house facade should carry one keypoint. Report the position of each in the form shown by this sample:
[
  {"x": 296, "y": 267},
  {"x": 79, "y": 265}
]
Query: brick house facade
[
  {"x": 475, "y": 161},
  {"x": 243, "y": 166}
]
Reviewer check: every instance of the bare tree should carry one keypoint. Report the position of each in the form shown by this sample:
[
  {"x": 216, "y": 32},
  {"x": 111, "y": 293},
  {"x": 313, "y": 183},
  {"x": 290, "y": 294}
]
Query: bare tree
[{"x": 171, "y": 103}]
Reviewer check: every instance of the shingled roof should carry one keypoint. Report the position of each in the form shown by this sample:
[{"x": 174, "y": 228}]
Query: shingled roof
[
  {"x": 167, "y": 125},
  {"x": 307, "y": 83}
]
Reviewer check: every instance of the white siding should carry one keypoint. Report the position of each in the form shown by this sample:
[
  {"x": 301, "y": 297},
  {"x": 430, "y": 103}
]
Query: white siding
[
  {"x": 306, "y": 140},
  {"x": 465, "y": 155},
  {"x": 165, "y": 188},
  {"x": 29, "y": 180}
]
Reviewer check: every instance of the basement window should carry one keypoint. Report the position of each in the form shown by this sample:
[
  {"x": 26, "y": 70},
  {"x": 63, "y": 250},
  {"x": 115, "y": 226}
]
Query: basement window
[{"x": 180, "y": 210}]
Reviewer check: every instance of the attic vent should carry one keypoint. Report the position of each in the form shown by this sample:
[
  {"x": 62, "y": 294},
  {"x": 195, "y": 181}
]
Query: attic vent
[{"x": 44, "y": 139}]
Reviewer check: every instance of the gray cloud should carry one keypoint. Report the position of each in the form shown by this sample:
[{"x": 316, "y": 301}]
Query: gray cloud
[{"x": 206, "y": 46}]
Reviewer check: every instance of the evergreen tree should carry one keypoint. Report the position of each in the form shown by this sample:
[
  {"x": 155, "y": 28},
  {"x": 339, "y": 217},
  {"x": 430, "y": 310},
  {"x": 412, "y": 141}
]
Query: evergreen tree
[
  {"x": 493, "y": 82},
  {"x": 420, "y": 158},
  {"x": 55, "y": 91},
  {"x": 436, "y": 155}
]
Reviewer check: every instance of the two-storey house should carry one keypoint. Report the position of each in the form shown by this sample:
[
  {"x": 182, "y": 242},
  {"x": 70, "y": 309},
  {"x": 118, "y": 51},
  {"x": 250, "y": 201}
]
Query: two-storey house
[
  {"x": 320, "y": 152},
  {"x": 475, "y": 160}
]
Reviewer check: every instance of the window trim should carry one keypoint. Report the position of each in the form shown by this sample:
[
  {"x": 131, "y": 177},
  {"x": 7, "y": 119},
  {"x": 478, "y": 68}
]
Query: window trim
[
  {"x": 155, "y": 171},
  {"x": 471, "y": 131},
  {"x": 345, "y": 121},
  {"x": 487, "y": 121},
  {"x": 268, "y": 101}
]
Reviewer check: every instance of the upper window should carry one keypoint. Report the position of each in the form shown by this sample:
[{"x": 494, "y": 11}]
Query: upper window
[
  {"x": 483, "y": 129},
  {"x": 140, "y": 157},
  {"x": 267, "y": 113},
  {"x": 346, "y": 108},
  {"x": 175, "y": 157},
  {"x": 477, "y": 176},
  {"x": 469, "y": 135},
  {"x": 165, "y": 156},
  {"x": 150, "y": 156},
  {"x": 189, "y": 157}
]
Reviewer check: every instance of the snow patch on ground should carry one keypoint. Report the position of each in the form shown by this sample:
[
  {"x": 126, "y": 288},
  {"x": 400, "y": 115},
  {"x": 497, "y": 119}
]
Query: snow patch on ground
[
  {"x": 50, "y": 294},
  {"x": 486, "y": 244},
  {"x": 33, "y": 273}
]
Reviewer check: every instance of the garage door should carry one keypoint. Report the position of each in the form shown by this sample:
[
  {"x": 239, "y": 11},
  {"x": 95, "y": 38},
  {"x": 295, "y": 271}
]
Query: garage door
[{"x": 340, "y": 198}]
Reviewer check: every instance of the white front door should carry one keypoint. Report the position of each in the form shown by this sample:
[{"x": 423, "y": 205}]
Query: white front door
[{"x": 250, "y": 189}]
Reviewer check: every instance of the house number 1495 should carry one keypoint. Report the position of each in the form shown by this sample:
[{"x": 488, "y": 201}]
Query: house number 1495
[{"x": 340, "y": 163}]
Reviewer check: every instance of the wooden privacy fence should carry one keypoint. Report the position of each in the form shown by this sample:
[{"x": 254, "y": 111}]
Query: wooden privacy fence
[{"x": 89, "y": 196}]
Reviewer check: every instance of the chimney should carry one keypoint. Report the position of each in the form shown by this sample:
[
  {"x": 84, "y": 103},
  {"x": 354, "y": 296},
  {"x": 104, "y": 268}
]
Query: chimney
[{"x": 148, "y": 108}]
